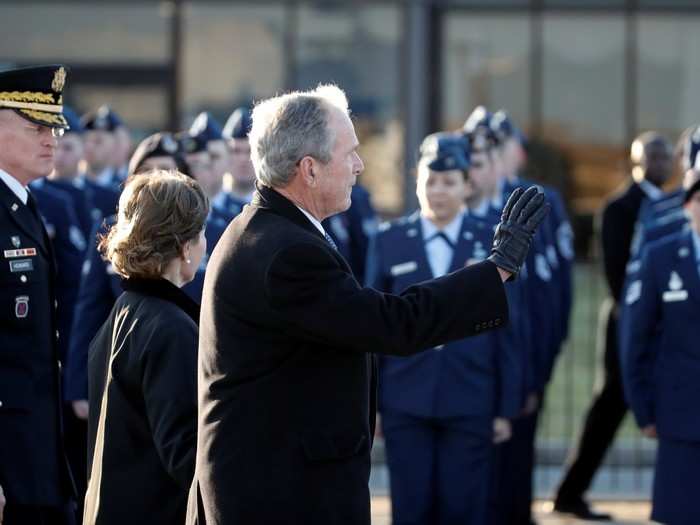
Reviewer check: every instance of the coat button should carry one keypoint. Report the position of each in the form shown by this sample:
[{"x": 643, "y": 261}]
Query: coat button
[
  {"x": 55, "y": 303},
  {"x": 23, "y": 278},
  {"x": 0, "y": 404},
  {"x": 57, "y": 334}
]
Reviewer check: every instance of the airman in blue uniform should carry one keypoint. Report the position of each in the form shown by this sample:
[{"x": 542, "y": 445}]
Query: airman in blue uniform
[
  {"x": 100, "y": 145},
  {"x": 532, "y": 305},
  {"x": 663, "y": 363},
  {"x": 206, "y": 153},
  {"x": 239, "y": 181},
  {"x": 441, "y": 411}
]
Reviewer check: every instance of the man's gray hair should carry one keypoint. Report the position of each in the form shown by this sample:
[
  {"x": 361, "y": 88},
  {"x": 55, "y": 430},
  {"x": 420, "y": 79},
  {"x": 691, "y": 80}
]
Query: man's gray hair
[{"x": 290, "y": 127}]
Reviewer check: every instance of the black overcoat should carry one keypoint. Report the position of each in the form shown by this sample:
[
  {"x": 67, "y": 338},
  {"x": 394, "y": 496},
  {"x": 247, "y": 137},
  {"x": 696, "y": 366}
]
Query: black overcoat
[
  {"x": 286, "y": 395},
  {"x": 33, "y": 465},
  {"x": 143, "y": 409}
]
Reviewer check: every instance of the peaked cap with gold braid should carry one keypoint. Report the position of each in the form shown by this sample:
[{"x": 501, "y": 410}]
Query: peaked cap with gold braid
[{"x": 36, "y": 93}]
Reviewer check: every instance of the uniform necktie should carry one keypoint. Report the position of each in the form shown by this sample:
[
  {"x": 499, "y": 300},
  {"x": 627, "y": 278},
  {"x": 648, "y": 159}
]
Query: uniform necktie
[
  {"x": 31, "y": 204},
  {"x": 330, "y": 240},
  {"x": 441, "y": 235}
]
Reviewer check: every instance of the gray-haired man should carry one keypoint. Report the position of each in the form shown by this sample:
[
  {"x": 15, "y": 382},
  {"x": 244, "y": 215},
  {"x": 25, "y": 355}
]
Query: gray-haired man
[{"x": 287, "y": 384}]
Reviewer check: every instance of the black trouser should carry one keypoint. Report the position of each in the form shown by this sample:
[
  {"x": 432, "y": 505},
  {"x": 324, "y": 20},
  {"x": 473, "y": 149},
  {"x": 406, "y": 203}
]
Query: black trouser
[
  {"x": 511, "y": 497},
  {"x": 602, "y": 421},
  {"x": 39, "y": 515}
]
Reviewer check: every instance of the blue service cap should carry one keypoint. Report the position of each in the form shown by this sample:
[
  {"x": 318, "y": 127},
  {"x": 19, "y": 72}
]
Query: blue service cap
[
  {"x": 190, "y": 144},
  {"x": 445, "y": 151},
  {"x": 238, "y": 124},
  {"x": 206, "y": 127},
  {"x": 73, "y": 120},
  {"x": 478, "y": 128},
  {"x": 505, "y": 128},
  {"x": 161, "y": 144},
  {"x": 691, "y": 148},
  {"x": 102, "y": 119}
]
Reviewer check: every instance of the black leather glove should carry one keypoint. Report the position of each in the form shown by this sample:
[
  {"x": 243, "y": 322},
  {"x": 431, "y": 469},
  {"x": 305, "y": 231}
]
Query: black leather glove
[{"x": 521, "y": 216}]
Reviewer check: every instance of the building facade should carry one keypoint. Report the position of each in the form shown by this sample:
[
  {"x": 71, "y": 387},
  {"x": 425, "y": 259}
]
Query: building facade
[{"x": 580, "y": 77}]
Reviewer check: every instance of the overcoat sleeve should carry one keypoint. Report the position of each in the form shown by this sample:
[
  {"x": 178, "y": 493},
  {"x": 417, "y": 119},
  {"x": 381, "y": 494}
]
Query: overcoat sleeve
[{"x": 322, "y": 302}]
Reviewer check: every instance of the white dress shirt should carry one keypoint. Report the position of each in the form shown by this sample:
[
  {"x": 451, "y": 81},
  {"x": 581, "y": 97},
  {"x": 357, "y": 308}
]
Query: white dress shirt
[
  {"x": 15, "y": 186},
  {"x": 438, "y": 251},
  {"x": 313, "y": 220}
]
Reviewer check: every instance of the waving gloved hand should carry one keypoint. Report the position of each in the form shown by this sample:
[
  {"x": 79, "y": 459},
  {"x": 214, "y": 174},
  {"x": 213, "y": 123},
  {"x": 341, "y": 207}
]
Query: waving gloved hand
[{"x": 521, "y": 216}]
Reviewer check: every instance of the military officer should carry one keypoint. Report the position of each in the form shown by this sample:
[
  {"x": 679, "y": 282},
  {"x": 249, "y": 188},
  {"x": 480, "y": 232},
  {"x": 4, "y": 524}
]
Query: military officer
[
  {"x": 66, "y": 174},
  {"x": 209, "y": 135},
  {"x": 650, "y": 155},
  {"x": 663, "y": 363},
  {"x": 101, "y": 143},
  {"x": 34, "y": 473},
  {"x": 239, "y": 181},
  {"x": 441, "y": 411}
]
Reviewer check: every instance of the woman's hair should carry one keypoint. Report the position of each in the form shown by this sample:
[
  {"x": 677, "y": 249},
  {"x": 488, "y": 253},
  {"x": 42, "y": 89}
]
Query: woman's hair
[{"x": 159, "y": 212}]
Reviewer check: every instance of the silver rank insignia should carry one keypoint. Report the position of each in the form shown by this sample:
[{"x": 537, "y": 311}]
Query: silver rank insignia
[
  {"x": 21, "y": 306},
  {"x": 675, "y": 289},
  {"x": 675, "y": 282},
  {"x": 15, "y": 241}
]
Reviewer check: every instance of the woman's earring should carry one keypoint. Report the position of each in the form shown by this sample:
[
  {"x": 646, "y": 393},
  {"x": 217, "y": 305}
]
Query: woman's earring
[{"x": 188, "y": 261}]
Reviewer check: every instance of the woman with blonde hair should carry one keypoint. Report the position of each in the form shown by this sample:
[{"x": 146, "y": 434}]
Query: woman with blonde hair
[{"x": 142, "y": 362}]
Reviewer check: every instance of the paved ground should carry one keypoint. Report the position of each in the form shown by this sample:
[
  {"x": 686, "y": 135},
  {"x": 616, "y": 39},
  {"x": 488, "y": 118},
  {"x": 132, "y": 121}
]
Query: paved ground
[{"x": 626, "y": 513}]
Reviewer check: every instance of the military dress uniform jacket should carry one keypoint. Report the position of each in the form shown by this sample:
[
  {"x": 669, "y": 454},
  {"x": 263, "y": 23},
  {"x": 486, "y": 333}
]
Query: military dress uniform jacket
[
  {"x": 661, "y": 350},
  {"x": 33, "y": 466},
  {"x": 286, "y": 402},
  {"x": 143, "y": 407},
  {"x": 100, "y": 287},
  {"x": 478, "y": 376}
]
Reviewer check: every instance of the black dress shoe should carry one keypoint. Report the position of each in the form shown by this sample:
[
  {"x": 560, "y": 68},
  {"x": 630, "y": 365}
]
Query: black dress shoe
[{"x": 581, "y": 510}]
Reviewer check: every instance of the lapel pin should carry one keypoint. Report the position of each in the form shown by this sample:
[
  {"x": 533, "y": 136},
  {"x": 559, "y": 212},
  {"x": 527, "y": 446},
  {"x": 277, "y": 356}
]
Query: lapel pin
[
  {"x": 15, "y": 241},
  {"x": 14, "y": 206}
]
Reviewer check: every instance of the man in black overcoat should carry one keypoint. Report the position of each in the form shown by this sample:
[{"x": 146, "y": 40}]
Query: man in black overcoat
[
  {"x": 287, "y": 380},
  {"x": 34, "y": 473},
  {"x": 651, "y": 168}
]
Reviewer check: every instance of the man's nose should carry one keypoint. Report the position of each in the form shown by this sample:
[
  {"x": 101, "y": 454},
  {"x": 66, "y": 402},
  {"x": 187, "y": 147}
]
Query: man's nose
[{"x": 359, "y": 165}]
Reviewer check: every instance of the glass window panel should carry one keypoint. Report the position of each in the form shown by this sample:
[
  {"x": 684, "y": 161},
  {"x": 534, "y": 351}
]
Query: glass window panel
[
  {"x": 485, "y": 61},
  {"x": 80, "y": 32},
  {"x": 490, "y": 3},
  {"x": 669, "y": 4},
  {"x": 585, "y": 3},
  {"x": 359, "y": 49},
  {"x": 668, "y": 81},
  {"x": 583, "y": 100},
  {"x": 232, "y": 54}
]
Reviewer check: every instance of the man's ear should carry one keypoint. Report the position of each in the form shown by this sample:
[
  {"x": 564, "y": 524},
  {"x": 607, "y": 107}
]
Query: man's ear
[{"x": 306, "y": 170}]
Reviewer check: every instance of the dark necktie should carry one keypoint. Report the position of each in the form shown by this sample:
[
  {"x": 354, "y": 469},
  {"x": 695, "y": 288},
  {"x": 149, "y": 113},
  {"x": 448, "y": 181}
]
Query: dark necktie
[
  {"x": 441, "y": 235},
  {"x": 330, "y": 240},
  {"x": 31, "y": 204}
]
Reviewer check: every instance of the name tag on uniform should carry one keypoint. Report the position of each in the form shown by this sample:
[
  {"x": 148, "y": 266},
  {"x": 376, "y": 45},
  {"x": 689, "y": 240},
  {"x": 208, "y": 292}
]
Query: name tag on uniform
[
  {"x": 21, "y": 252},
  {"x": 407, "y": 267},
  {"x": 21, "y": 265},
  {"x": 676, "y": 295}
]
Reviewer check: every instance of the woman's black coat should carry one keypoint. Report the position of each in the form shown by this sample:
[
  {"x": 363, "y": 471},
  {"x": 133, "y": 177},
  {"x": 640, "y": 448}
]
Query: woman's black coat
[{"x": 143, "y": 407}]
